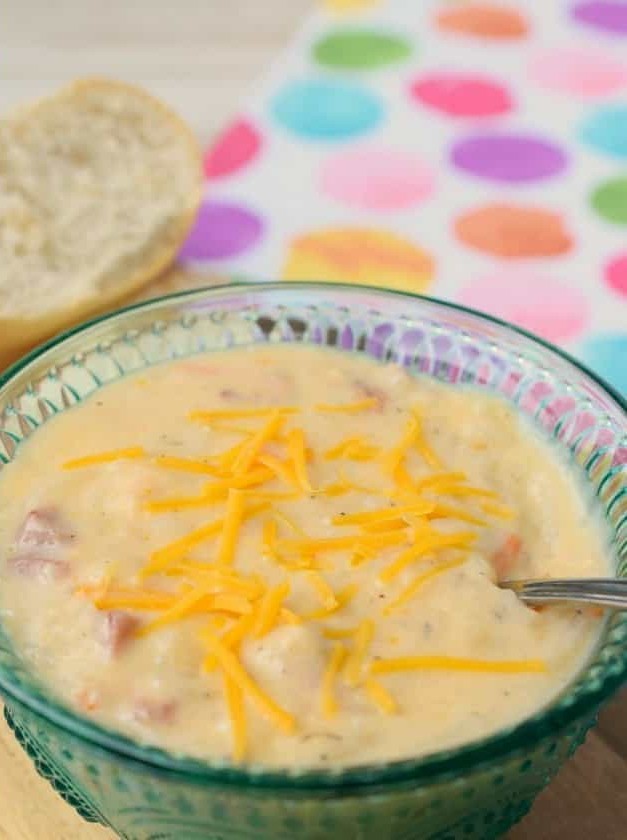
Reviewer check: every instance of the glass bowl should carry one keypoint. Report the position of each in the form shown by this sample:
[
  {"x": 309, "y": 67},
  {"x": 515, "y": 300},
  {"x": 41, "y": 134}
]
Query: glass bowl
[{"x": 477, "y": 791}]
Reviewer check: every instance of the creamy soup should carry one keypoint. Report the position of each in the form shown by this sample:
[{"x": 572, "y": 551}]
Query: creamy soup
[{"x": 290, "y": 556}]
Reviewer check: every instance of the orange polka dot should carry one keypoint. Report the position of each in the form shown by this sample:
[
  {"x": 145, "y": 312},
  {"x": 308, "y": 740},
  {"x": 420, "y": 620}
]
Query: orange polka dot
[
  {"x": 505, "y": 230},
  {"x": 484, "y": 20},
  {"x": 359, "y": 255}
]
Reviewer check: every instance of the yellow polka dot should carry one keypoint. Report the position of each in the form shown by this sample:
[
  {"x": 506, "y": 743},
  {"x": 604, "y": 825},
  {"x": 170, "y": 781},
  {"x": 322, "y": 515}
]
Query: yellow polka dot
[
  {"x": 359, "y": 255},
  {"x": 347, "y": 6}
]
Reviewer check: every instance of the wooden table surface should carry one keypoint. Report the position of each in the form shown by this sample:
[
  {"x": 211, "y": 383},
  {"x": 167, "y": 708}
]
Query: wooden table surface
[{"x": 200, "y": 56}]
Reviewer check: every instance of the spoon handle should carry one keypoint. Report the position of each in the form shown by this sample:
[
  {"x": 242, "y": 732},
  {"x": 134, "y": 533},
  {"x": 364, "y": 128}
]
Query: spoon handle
[{"x": 604, "y": 592}]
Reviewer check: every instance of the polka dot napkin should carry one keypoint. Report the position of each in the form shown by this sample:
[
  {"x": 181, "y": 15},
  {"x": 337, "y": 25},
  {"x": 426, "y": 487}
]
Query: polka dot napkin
[{"x": 471, "y": 151}]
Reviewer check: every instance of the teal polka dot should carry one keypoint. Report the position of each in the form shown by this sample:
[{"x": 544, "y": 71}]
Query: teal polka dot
[
  {"x": 606, "y": 354},
  {"x": 606, "y": 131},
  {"x": 326, "y": 109},
  {"x": 360, "y": 49}
]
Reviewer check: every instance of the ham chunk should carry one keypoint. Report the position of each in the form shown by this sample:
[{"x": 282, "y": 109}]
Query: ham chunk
[
  {"x": 118, "y": 630},
  {"x": 40, "y": 545},
  {"x": 88, "y": 699},
  {"x": 371, "y": 392},
  {"x": 272, "y": 388},
  {"x": 150, "y": 711},
  {"x": 506, "y": 557},
  {"x": 43, "y": 527}
]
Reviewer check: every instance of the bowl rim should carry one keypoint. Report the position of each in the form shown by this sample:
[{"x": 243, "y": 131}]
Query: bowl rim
[{"x": 550, "y": 720}]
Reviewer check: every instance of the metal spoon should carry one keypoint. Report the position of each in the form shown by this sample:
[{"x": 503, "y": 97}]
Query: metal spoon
[{"x": 604, "y": 592}]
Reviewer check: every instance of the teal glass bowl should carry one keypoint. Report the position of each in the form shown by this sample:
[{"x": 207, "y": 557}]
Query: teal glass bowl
[{"x": 477, "y": 791}]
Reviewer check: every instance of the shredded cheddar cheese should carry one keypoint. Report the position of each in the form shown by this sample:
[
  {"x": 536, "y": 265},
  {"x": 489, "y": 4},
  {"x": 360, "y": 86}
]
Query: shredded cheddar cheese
[
  {"x": 458, "y": 663},
  {"x": 496, "y": 509},
  {"x": 394, "y": 459},
  {"x": 129, "y": 454},
  {"x": 384, "y": 514},
  {"x": 227, "y": 458},
  {"x": 357, "y": 656},
  {"x": 441, "y": 511},
  {"x": 338, "y": 488},
  {"x": 419, "y": 581},
  {"x": 296, "y": 448},
  {"x": 421, "y": 445},
  {"x": 254, "y": 444},
  {"x": 230, "y": 528},
  {"x": 330, "y": 705},
  {"x": 423, "y": 547},
  {"x": 235, "y": 635},
  {"x": 252, "y": 478},
  {"x": 279, "y": 468},
  {"x": 232, "y": 667},
  {"x": 343, "y": 597},
  {"x": 387, "y": 525},
  {"x": 235, "y": 705},
  {"x": 362, "y": 555},
  {"x": 212, "y": 492},
  {"x": 269, "y": 610},
  {"x": 354, "y": 449},
  {"x": 178, "y": 503},
  {"x": 121, "y": 598},
  {"x": 188, "y": 603},
  {"x": 339, "y": 632},
  {"x": 403, "y": 483},
  {"x": 464, "y": 490},
  {"x": 326, "y": 594},
  {"x": 162, "y": 558},
  {"x": 268, "y": 539},
  {"x": 380, "y": 696},
  {"x": 438, "y": 478}
]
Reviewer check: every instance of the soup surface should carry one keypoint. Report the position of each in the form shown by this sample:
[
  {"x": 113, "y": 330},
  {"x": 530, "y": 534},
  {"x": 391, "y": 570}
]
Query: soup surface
[{"x": 290, "y": 556}]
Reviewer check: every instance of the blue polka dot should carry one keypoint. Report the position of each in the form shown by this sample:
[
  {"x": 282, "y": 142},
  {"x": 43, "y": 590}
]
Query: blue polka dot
[
  {"x": 326, "y": 110},
  {"x": 607, "y": 355},
  {"x": 606, "y": 131}
]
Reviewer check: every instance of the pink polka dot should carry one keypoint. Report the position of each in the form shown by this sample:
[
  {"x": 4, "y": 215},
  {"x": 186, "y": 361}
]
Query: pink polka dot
[
  {"x": 459, "y": 95},
  {"x": 616, "y": 274},
  {"x": 377, "y": 178},
  {"x": 553, "y": 309},
  {"x": 237, "y": 146},
  {"x": 579, "y": 71}
]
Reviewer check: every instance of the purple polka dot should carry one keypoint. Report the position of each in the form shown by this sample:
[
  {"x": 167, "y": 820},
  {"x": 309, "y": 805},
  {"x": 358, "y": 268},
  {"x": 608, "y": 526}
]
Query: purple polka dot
[
  {"x": 221, "y": 231},
  {"x": 510, "y": 158},
  {"x": 607, "y": 15}
]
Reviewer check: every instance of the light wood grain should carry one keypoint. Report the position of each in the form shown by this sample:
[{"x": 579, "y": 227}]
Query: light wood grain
[
  {"x": 29, "y": 808},
  {"x": 201, "y": 56},
  {"x": 588, "y": 799}
]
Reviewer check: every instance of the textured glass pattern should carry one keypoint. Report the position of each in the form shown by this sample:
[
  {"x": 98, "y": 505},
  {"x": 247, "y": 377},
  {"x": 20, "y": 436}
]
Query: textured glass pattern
[{"x": 476, "y": 791}]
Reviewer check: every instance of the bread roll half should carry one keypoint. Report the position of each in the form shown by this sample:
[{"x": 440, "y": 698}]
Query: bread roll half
[{"x": 99, "y": 185}]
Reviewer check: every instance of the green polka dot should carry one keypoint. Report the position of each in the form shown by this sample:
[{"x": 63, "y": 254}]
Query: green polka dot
[
  {"x": 610, "y": 200},
  {"x": 360, "y": 49}
]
